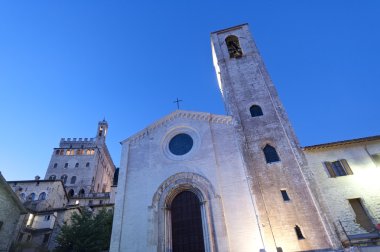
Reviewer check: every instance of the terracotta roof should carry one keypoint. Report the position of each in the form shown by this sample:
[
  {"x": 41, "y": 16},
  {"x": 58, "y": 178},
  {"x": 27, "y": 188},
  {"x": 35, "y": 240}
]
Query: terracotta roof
[{"x": 344, "y": 142}]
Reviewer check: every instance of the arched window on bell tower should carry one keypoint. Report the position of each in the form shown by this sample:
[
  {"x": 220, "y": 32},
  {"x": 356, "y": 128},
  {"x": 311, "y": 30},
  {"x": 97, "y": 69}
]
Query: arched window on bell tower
[
  {"x": 102, "y": 129},
  {"x": 233, "y": 46},
  {"x": 255, "y": 110},
  {"x": 270, "y": 154}
]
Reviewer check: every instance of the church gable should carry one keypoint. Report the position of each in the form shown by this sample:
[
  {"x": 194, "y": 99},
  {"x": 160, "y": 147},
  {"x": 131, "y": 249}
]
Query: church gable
[{"x": 177, "y": 116}]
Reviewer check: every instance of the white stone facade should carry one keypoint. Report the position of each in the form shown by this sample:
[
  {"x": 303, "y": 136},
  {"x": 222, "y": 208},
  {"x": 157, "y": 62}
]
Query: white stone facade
[
  {"x": 150, "y": 175},
  {"x": 363, "y": 184},
  {"x": 240, "y": 187},
  {"x": 251, "y": 99}
]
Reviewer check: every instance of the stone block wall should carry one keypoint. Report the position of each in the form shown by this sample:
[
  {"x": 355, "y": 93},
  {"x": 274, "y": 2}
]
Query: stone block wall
[{"x": 336, "y": 191}]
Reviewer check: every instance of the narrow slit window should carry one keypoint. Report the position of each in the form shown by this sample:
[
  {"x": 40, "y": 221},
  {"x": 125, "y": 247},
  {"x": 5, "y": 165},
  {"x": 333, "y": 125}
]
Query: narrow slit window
[
  {"x": 285, "y": 195},
  {"x": 299, "y": 232}
]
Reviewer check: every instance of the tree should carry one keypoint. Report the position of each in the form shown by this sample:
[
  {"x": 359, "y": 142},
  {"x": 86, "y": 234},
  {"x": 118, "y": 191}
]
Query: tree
[{"x": 86, "y": 232}]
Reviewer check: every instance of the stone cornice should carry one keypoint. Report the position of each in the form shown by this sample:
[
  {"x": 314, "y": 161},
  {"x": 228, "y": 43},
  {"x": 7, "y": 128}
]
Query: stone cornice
[
  {"x": 196, "y": 116},
  {"x": 340, "y": 143}
]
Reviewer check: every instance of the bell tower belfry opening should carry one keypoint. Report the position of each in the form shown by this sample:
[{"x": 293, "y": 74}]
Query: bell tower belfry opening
[
  {"x": 102, "y": 129},
  {"x": 269, "y": 145}
]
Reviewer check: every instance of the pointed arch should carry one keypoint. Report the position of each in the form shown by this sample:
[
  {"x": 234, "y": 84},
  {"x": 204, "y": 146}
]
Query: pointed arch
[
  {"x": 203, "y": 190},
  {"x": 270, "y": 154},
  {"x": 73, "y": 179},
  {"x": 233, "y": 46},
  {"x": 255, "y": 110},
  {"x": 52, "y": 177},
  {"x": 64, "y": 178},
  {"x": 81, "y": 193},
  {"x": 71, "y": 193},
  {"x": 32, "y": 196},
  {"x": 42, "y": 196}
]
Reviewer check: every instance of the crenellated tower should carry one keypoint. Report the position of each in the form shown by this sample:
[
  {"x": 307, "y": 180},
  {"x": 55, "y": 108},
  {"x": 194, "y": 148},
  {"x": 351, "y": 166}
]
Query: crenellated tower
[
  {"x": 83, "y": 164},
  {"x": 288, "y": 214}
]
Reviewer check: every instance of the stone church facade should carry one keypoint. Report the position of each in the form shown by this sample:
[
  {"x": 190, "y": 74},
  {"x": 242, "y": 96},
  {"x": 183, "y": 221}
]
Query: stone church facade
[{"x": 244, "y": 171}]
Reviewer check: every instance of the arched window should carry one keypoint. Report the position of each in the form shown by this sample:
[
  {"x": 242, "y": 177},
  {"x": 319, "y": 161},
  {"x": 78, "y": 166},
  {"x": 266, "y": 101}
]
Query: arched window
[
  {"x": 64, "y": 178},
  {"x": 255, "y": 111},
  {"x": 87, "y": 164},
  {"x": 22, "y": 196},
  {"x": 71, "y": 193},
  {"x": 32, "y": 196},
  {"x": 73, "y": 179},
  {"x": 270, "y": 154},
  {"x": 186, "y": 217},
  {"x": 77, "y": 165},
  {"x": 52, "y": 177},
  {"x": 42, "y": 196},
  {"x": 233, "y": 46},
  {"x": 81, "y": 193}
]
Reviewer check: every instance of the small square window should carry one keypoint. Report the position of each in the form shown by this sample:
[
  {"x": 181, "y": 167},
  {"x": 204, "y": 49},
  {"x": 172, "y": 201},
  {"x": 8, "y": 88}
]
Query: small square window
[
  {"x": 77, "y": 165},
  {"x": 87, "y": 164}
]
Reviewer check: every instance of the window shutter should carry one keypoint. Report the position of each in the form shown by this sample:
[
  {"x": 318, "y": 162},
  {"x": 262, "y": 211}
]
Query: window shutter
[
  {"x": 330, "y": 169},
  {"x": 346, "y": 166}
]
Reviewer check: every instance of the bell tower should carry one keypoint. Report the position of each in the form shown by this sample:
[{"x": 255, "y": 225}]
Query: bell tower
[
  {"x": 288, "y": 214},
  {"x": 102, "y": 130}
]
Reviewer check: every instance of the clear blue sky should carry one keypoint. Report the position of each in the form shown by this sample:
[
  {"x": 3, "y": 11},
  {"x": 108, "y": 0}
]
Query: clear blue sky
[{"x": 64, "y": 65}]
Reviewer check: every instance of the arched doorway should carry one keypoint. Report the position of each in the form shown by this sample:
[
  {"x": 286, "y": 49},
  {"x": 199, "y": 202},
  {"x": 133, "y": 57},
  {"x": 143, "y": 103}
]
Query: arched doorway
[{"x": 186, "y": 218}]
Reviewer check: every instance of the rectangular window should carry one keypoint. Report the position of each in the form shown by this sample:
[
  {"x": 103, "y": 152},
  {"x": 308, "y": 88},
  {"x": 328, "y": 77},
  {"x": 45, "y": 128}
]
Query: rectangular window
[
  {"x": 69, "y": 152},
  {"x": 29, "y": 238},
  {"x": 47, "y": 217},
  {"x": 66, "y": 165},
  {"x": 376, "y": 159},
  {"x": 338, "y": 168},
  {"x": 285, "y": 195},
  {"x": 361, "y": 216}
]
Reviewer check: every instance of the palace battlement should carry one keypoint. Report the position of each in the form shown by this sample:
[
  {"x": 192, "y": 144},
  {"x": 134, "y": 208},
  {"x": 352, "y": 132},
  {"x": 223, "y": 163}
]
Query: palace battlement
[{"x": 77, "y": 140}]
